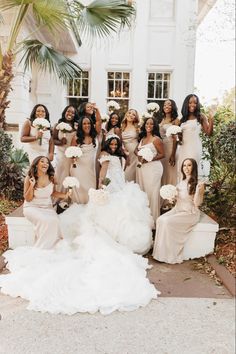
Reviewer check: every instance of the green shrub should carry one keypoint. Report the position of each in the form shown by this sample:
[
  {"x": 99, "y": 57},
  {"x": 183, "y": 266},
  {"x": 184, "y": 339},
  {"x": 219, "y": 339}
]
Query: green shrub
[
  {"x": 219, "y": 149},
  {"x": 13, "y": 162}
]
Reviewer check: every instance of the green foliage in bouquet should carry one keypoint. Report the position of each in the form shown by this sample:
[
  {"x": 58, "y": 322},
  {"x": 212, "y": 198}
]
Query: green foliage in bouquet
[
  {"x": 219, "y": 149},
  {"x": 13, "y": 163}
]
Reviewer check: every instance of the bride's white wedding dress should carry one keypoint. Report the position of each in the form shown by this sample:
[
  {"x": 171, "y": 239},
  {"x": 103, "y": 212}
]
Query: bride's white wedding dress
[{"x": 88, "y": 271}]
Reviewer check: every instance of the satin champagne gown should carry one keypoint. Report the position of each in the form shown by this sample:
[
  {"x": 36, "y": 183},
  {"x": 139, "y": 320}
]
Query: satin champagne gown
[
  {"x": 34, "y": 149},
  {"x": 63, "y": 164},
  {"x": 191, "y": 146},
  {"x": 40, "y": 213},
  {"x": 169, "y": 172},
  {"x": 173, "y": 227},
  {"x": 149, "y": 178},
  {"x": 130, "y": 142},
  {"x": 85, "y": 172}
]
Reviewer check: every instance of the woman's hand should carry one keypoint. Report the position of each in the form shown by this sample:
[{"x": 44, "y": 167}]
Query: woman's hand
[
  {"x": 32, "y": 181},
  {"x": 201, "y": 187},
  {"x": 39, "y": 134},
  {"x": 50, "y": 156}
]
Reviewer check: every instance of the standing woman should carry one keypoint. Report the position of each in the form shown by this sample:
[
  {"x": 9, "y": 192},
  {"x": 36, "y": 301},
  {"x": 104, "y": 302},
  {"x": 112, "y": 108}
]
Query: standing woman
[
  {"x": 39, "y": 142},
  {"x": 88, "y": 139},
  {"x": 113, "y": 125},
  {"x": 192, "y": 122},
  {"x": 173, "y": 228},
  {"x": 150, "y": 173},
  {"x": 129, "y": 129},
  {"x": 169, "y": 117},
  {"x": 62, "y": 141},
  {"x": 89, "y": 110},
  {"x": 39, "y": 188}
]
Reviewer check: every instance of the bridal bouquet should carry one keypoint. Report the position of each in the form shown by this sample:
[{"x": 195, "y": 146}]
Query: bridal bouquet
[
  {"x": 64, "y": 128},
  {"x": 98, "y": 196},
  {"x": 70, "y": 182},
  {"x": 173, "y": 130},
  {"x": 112, "y": 106},
  {"x": 168, "y": 192},
  {"x": 153, "y": 107},
  {"x": 146, "y": 154},
  {"x": 105, "y": 118},
  {"x": 105, "y": 182},
  {"x": 73, "y": 152},
  {"x": 41, "y": 124}
]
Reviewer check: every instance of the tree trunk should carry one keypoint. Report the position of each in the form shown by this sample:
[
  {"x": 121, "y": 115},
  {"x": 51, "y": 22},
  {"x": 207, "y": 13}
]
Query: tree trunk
[{"x": 6, "y": 76}]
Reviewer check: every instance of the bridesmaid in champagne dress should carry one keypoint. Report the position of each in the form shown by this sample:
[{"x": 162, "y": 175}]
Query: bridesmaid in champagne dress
[
  {"x": 129, "y": 128},
  {"x": 32, "y": 135},
  {"x": 169, "y": 114},
  {"x": 39, "y": 188},
  {"x": 88, "y": 139},
  {"x": 192, "y": 123},
  {"x": 173, "y": 227},
  {"x": 62, "y": 141},
  {"x": 113, "y": 125},
  {"x": 150, "y": 173}
]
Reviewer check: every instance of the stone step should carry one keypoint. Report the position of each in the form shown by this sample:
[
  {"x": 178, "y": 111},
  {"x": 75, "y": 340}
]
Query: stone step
[{"x": 200, "y": 243}]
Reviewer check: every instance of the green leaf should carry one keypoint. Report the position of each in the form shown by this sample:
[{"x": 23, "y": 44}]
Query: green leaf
[{"x": 36, "y": 52}]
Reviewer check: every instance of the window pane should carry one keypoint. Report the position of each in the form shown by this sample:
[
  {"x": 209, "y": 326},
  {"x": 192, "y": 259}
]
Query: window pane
[
  {"x": 166, "y": 89},
  {"x": 110, "y": 75},
  {"x": 70, "y": 88},
  {"x": 111, "y": 91},
  {"x": 118, "y": 75},
  {"x": 158, "y": 76},
  {"x": 166, "y": 76},
  {"x": 77, "y": 87},
  {"x": 126, "y": 76},
  {"x": 151, "y": 76},
  {"x": 125, "y": 88},
  {"x": 151, "y": 89},
  {"x": 158, "y": 89},
  {"x": 85, "y": 74},
  {"x": 85, "y": 88},
  {"x": 118, "y": 88}
]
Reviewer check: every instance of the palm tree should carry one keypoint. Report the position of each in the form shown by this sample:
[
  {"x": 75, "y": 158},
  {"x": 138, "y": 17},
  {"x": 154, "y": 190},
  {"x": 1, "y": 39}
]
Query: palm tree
[{"x": 99, "y": 19}]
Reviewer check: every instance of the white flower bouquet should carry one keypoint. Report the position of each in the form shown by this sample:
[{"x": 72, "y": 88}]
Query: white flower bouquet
[
  {"x": 105, "y": 118},
  {"x": 73, "y": 152},
  {"x": 112, "y": 106},
  {"x": 70, "y": 182},
  {"x": 64, "y": 128},
  {"x": 168, "y": 192},
  {"x": 146, "y": 115},
  {"x": 98, "y": 196},
  {"x": 146, "y": 154},
  {"x": 173, "y": 130},
  {"x": 153, "y": 107},
  {"x": 41, "y": 124}
]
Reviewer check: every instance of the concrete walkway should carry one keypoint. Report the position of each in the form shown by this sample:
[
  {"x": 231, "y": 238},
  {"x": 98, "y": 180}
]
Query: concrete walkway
[{"x": 165, "y": 326}]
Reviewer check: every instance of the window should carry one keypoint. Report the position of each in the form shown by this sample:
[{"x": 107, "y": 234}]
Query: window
[
  {"x": 78, "y": 89},
  {"x": 118, "y": 85},
  {"x": 158, "y": 87}
]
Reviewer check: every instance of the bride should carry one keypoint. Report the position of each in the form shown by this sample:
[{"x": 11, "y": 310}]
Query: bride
[{"x": 88, "y": 270}]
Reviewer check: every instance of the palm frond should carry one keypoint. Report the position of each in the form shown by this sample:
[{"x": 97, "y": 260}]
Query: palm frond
[
  {"x": 9, "y": 4},
  {"x": 102, "y": 17},
  {"x": 36, "y": 52}
]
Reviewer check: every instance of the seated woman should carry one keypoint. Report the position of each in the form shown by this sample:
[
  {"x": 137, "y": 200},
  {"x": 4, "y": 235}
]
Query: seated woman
[
  {"x": 39, "y": 188},
  {"x": 173, "y": 228}
]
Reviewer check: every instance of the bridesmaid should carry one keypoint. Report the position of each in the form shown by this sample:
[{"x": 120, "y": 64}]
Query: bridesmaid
[
  {"x": 31, "y": 135},
  {"x": 129, "y": 129},
  {"x": 63, "y": 164},
  {"x": 173, "y": 227},
  {"x": 39, "y": 188},
  {"x": 88, "y": 139},
  {"x": 150, "y": 173},
  {"x": 192, "y": 123},
  {"x": 89, "y": 110},
  {"x": 113, "y": 125},
  {"x": 170, "y": 117}
]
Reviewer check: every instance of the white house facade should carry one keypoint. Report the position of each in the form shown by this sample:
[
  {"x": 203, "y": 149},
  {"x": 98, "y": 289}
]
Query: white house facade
[{"x": 152, "y": 62}]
